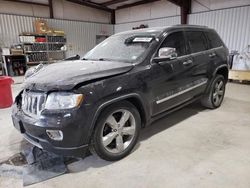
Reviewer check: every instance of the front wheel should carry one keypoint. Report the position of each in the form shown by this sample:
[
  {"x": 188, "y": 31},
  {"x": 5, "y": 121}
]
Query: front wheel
[
  {"x": 215, "y": 96},
  {"x": 117, "y": 131}
]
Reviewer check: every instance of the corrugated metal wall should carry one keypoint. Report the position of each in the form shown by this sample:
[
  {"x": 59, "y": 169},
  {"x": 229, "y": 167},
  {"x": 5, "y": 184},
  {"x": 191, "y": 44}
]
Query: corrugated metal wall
[
  {"x": 80, "y": 35},
  {"x": 232, "y": 24},
  {"x": 151, "y": 23}
]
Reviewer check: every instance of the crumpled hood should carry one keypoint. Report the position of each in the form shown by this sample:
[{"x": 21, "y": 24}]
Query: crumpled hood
[{"x": 66, "y": 75}]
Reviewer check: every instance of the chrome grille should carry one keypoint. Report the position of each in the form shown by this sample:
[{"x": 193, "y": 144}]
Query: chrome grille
[{"x": 33, "y": 103}]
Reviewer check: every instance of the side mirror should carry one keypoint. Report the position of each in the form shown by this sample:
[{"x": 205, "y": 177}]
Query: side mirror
[{"x": 166, "y": 52}]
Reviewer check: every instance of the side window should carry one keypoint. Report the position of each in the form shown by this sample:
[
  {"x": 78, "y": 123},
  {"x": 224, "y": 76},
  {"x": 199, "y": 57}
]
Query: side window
[
  {"x": 175, "y": 40},
  {"x": 214, "y": 40},
  {"x": 197, "y": 41}
]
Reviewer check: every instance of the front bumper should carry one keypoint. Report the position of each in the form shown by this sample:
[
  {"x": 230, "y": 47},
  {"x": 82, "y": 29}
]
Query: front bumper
[{"x": 75, "y": 133}]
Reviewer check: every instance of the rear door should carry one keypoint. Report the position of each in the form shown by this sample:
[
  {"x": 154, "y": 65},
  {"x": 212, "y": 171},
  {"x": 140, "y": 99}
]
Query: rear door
[
  {"x": 199, "y": 50},
  {"x": 218, "y": 51}
]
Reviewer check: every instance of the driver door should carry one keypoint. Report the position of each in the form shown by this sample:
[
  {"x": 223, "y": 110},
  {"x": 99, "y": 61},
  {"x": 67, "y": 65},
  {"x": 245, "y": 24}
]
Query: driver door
[{"x": 174, "y": 75}]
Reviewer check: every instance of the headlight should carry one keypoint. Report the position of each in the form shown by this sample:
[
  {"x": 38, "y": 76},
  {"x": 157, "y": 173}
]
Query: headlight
[{"x": 63, "y": 100}]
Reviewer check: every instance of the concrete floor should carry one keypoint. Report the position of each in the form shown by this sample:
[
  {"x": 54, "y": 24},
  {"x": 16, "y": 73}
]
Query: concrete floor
[{"x": 193, "y": 147}]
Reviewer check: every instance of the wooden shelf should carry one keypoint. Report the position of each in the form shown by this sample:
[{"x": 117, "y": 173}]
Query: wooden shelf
[
  {"x": 43, "y": 42},
  {"x": 42, "y": 34},
  {"x": 32, "y": 55},
  {"x": 34, "y": 51},
  {"x": 44, "y": 51},
  {"x": 241, "y": 75}
]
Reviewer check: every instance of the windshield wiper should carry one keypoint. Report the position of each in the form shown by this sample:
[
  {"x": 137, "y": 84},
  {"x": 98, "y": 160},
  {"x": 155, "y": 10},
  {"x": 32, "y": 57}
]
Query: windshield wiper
[
  {"x": 76, "y": 57},
  {"x": 86, "y": 59},
  {"x": 104, "y": 59},
  {"x": 100, "y": 59}
]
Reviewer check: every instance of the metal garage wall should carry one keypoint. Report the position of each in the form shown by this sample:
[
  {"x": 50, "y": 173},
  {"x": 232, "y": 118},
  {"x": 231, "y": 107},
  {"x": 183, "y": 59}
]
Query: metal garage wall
[
  {"x": 232, "y": 24},
  {"x": 167, "y": 21},
  {"x": 81, "y": 36}
]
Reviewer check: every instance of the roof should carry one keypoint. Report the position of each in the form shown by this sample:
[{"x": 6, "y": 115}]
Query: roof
[
  {"x": 190, "y": 26},
  {"x": 151, "y": 31},
  {"x": 156, "y": 31}
]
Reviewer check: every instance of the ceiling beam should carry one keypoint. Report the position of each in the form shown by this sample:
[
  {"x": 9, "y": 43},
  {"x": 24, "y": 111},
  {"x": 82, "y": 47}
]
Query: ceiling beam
[
  {"x": 185, "y": 10},
  {"x": 112, "y": 2},
  {"x": 51, "y": 11},
  {"x": 91, "y": 4},
  {"x": 27, "y": 2},
  {"x": 113, "y": 17},
  {"x": 185, "y": 6},
  {"x": 176, "y": 2},
  {"x": 136, "y": 3}
]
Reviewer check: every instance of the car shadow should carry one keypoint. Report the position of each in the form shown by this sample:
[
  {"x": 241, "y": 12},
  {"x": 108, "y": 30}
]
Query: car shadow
[{"x": 168, "y": 121}]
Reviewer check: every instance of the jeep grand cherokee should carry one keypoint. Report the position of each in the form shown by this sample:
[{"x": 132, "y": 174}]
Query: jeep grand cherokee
[{"x": 123, "y": 84}]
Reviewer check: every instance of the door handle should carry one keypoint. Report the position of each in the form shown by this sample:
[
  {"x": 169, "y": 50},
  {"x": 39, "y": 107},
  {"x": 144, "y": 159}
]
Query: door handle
[
  {"x": 212, "y": 55},
  {"x": 188, "y": 62}
]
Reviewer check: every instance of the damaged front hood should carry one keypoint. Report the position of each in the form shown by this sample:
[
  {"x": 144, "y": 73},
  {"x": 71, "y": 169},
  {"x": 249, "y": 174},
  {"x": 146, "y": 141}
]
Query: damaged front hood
[{"x": 66, "y": 75}]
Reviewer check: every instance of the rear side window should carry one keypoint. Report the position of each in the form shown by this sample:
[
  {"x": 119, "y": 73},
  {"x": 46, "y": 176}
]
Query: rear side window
[
  {"x": 214, "y": 40},
  {"x": 176, "y": 40},
  {"x": 197, "y": 41}
]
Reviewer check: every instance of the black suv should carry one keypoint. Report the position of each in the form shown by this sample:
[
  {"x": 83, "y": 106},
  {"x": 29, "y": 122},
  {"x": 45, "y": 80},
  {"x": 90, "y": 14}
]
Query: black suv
[{"x": 123, "y": 84}]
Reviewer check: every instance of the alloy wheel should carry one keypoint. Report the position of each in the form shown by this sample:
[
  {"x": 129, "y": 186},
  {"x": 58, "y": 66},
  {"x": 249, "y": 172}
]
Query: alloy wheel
[
  {"x": 118, "y": 131},
  {"x": 218, "y": 92}
]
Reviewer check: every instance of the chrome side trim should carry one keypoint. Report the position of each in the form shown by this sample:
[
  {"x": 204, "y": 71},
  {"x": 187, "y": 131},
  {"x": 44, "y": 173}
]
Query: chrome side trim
[{"x": 180, "y": 93}]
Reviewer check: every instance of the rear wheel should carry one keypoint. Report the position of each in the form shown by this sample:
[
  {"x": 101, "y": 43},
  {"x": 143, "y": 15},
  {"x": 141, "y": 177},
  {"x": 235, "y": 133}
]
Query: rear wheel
[
  {"x": 215, "y": 96},
  {"x": 117, "y": 131}
]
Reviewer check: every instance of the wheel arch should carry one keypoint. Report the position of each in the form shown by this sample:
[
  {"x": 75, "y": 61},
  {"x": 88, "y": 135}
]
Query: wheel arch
[
  {"x": 133, "y": 98},
  {"x": 222, "y": 70}
]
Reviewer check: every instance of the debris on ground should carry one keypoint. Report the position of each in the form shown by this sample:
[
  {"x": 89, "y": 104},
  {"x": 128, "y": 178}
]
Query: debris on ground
[
  {"x": 16, "y": 160},
  {"x": 43, "y": 166},
  {"x": 35, "y": 165}
]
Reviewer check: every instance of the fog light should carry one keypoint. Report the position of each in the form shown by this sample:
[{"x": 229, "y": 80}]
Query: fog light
[{"x": 55, "y": 134}]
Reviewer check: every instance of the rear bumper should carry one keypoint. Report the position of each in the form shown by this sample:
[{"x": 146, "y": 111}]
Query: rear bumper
[{"x": 34, "y": 131}]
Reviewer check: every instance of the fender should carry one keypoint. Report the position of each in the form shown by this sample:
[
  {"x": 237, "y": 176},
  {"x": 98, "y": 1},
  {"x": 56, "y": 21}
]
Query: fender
[
  {"x": 219, "y": 67},
  {"x": 107, "y": 103},
  {"x": 213, "y": 75}
]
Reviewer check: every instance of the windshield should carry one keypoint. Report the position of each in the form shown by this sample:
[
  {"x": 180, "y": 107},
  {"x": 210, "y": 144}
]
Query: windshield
[{"x": 125, "y": 48}]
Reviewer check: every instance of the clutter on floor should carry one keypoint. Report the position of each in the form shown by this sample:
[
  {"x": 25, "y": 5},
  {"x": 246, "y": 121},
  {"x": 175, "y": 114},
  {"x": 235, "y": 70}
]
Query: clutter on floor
[
  {"x": 34, "y": 165},
  {"x": 240, "y": 66}
]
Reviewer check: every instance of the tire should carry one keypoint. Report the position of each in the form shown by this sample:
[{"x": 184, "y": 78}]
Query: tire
[
  {"x": 117, "y": 131},
  {"x": 215, "y": 95}
]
